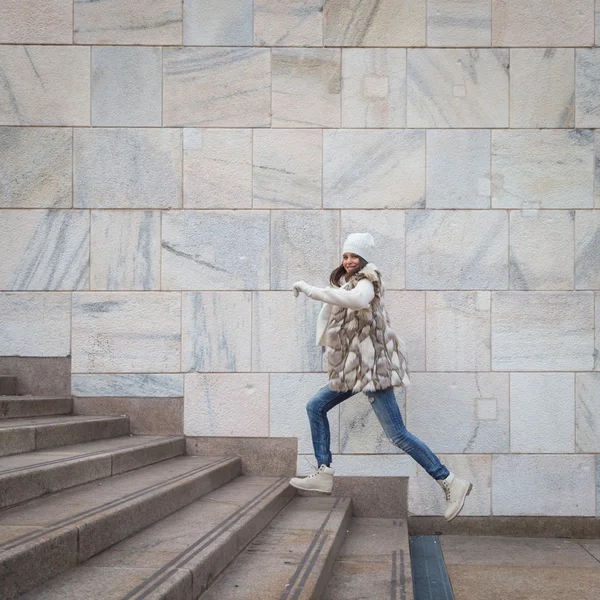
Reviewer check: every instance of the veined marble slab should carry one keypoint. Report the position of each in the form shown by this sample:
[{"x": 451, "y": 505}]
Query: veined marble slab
[
  {"x": 216, "y": 331},
  {"x": 587, "y": 412},
  {"x": 543, "y": 168},
  {"x": 459, "y": 22},
  {"x": 587, "y": 250},
  {"x": 306, "y": 87},
  {"x": 215, "y": 250},
  {"x": 375, "y": 23},
  {"x": 125, "y": 250},
  {"x": 37, "y": 167},
  {"x": 45, "y": 85},
  {"x": 588, "y": 87},
  {"x": 217, "y": 23},
  {"x": 34, "y": 22},
  {"x": 226, "y": 404},
  {"x": 127, "y": 168},
  {"x": 287, "y": 169},
  {"x": 217, "y": 168},
  {"x": 216, "y": 87},
  {"x": 126, "y": 332},
  {"x": 44, "y": 249},
  {"x": 365, "y": 465},
  {"x": 143, "y": 385},
  {"x": 290, "y": 23},
  {"x": 450, "y": 87},
  {"x": 35, "y": 324},
  {"x": 154, "y": 22},
  {"x": 371, "y": 168},
  {"x": 543, "y": 331},
  {"x": 374, "y": 87}
]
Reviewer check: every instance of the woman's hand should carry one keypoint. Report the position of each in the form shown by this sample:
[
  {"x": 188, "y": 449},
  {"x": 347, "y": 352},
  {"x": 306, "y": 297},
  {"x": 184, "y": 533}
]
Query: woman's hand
[{"x": 300, "y": 286}]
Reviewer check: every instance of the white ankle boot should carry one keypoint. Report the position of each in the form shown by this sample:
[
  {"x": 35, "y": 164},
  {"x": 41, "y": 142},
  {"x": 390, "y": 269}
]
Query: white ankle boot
[
  {"x": 320, "y": 481},
  {"x": 456, "y": 490}
]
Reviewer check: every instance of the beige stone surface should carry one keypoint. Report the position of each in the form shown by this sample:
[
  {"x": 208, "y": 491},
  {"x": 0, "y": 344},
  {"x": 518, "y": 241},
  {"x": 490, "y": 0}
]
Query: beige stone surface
[
  {"x": 459, "y": 23},
  {"x": 290, "y": 23},
  {"x": 34, "y": 22}
]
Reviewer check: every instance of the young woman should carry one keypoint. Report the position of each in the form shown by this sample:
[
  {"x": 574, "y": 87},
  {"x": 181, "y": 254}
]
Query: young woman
[{"x": 364, "y": 355}]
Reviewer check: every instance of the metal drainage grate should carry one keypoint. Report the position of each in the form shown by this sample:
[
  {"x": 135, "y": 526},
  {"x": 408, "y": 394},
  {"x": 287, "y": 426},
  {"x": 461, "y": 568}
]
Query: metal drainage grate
[{"x": 430, "y": 578}]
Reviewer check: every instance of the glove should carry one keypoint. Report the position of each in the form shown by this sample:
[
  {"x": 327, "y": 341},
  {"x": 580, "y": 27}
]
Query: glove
[{"x": 300, "y": 286}]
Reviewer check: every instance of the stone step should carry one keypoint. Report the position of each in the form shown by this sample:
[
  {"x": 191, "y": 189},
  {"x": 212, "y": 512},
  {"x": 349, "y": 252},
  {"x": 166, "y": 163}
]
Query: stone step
[
  {"x": 374, "y": 562},
  {"x": 180, "y": 555},
  {"x": 48, "y": 536},
  {"x": 40, "y": 433},
  {"x": 8, "y": 386},
  {"x": 292, "y": 558},
  {"x": 34, "y": 406},
  {"x": 33, "y": 474}
]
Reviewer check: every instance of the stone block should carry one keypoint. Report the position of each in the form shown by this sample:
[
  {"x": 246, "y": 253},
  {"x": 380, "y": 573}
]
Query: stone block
[
  {"x": 45, "y": 85},
  {"x": 287, "y": 168},
  {"x": 283, "y": 333},
  {"x": 131, "y": 385},
  {"x": 35, "y": 324},
  {"x": 37, "y": 167},
  {"x": 374, "y": 87},
  {"x": 217, "y": 168},
  {"x": 459, "y": 23},
  {"x": 373, "y": 169},
  {"x": 127, "y": 168},
  {"x": 119, "y": 332},
  {"x": 549, "y": 485},
  {"x": 39, "y": 375},
  {"x": 216, "y": 23},
  {"x": 456, "y": 249},
  {"x": 366, "y": 465},
  {"x": 289, "y": 394},
  {"x": 126, "y": 86},
  {"x": 291, "y": 23},
  {"x": 458, "y": 331},
  {"x": 44, "y": 249},
  {"x": 226, "y": 404},
  {"x": 541, "y": 249},
  {"x": 587, "y": 412},
  {"x": 450, "y": 87},
  {"x": 587, "y": 250},
  {"x": 542, "y": 412},
  {"x": 215, "y": 250},
  {"x": 542, "y": 331},
  {"x": 374, "y": 23},
  {"x": 216, "y": 87},
  {"x": 125, "y": 250},
  {"x": 33, "y": 22},
  {"x": 304, "y": 245},
  {"x": 425, "y": 497},
  {"x": 458, "y": 168},
  {"x": 157, "y": 22},
  {"x": 216, "y": 331},
  {"x": 306, "y": 87},
  {"x": 542, "y": 87},
  {"x": 536, "y": 23},
  {"x": 476, "y": 411}
]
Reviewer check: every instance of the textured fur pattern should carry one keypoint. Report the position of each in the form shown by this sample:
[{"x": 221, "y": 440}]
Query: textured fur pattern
[{"x": 363, "y": 352}]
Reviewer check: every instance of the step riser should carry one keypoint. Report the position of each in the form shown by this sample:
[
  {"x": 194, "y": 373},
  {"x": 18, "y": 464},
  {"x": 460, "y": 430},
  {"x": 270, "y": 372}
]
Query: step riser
[
  {"x": 40, "y": 407},
  {"x": 32, "y": 483},
  {"x": 61, "y": 550},
  {"x": 8, "y": 386},
  {"x": 43, "y": 437}
]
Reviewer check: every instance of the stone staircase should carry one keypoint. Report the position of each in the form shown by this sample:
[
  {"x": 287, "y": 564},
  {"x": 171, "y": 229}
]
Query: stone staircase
[{"x": 88, "y": 511}]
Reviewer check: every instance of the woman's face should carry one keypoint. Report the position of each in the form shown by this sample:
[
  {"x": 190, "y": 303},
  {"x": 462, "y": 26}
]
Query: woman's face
[{"x": 350, "y": 261}]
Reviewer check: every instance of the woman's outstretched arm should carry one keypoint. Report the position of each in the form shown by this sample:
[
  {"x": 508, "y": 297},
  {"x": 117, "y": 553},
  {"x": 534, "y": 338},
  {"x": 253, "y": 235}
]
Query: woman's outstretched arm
[{"x": 356, "y": 298}]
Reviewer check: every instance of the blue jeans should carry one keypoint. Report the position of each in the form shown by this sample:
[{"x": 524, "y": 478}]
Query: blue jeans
[{"x": 386, "y": 408}]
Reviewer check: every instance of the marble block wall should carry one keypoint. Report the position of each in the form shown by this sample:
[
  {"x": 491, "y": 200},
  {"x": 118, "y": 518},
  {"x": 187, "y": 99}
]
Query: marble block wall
[{"x": 169, "y": 169}]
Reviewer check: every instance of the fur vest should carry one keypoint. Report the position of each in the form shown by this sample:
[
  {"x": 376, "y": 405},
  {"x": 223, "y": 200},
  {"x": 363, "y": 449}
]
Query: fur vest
[{"x": 363, "y": 352}]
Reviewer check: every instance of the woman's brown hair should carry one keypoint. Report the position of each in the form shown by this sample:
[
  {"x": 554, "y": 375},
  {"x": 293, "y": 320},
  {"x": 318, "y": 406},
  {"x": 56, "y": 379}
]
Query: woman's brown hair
[{"x": 338, "y": 272}]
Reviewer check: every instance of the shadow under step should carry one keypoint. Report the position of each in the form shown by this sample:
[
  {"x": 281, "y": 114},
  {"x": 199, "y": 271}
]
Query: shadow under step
[
  {"x": 14, "y": 407},
  {"x": 292, "y": 558},
  {"x": 47, "y": 536},
  {"x": 27, "y": 434},
  {"x": 374, "y": 562},
  {"x": 34, "y": 474}
]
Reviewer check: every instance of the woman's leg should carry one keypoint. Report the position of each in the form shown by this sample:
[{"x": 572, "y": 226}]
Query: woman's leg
[
  {"x": 386, "y": 408},
  {"x": 318, "y": 406}
]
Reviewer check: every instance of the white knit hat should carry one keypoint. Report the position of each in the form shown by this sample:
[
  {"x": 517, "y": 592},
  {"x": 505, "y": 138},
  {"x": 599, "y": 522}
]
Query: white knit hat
[{"x": 361, "y": 244}]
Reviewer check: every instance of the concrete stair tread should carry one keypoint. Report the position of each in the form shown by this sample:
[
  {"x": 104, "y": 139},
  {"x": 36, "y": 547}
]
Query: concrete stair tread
[
  {"x": 27, "y": 406},
  {"x": 52, "y": 420},
  {"x": 292, "y": 558},
  {"x": 10, "y": 398},
  {"x": 374, "y": 562},
  {"x": 54, "y": 533},
  {"x": 180, "y": 555}
]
